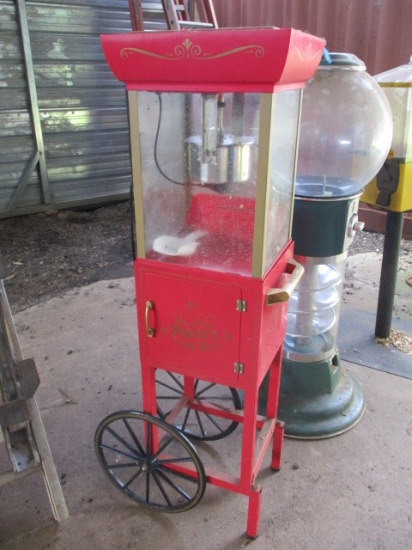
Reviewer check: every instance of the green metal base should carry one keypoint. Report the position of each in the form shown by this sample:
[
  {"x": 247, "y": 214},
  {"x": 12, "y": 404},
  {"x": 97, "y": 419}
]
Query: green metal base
[{"x": 318, "y": 400}]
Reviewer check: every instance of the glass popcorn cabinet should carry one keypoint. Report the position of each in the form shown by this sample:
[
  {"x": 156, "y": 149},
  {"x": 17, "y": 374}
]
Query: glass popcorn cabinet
[{"x": 214, "y": 121}]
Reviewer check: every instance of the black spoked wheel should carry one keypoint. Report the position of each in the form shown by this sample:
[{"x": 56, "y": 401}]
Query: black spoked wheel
[
  {"x": 198, "y": 425},
  {"x": 150, "y": 461}
]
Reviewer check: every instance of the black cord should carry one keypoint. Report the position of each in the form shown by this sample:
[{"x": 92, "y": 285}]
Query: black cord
[
  {"x": 132, "y": 221},
  {"x": 159, "y": 122},
  {"x": 131, "y": 194},
  {"x": 159, "y": 95}
]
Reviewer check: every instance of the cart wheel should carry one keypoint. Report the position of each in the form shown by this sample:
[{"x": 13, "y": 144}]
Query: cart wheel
[
  {"x": 150, "y": 461},
  {"x": 197, "y": 425}
]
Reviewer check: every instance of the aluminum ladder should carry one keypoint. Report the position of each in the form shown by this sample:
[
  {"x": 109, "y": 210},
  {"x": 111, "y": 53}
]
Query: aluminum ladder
[
  {"x": 21, "y": 427},
  {"x": 178, "y": 14}
]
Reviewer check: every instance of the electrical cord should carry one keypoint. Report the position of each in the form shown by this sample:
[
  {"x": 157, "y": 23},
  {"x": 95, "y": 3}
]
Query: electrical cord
[
  {"x": 159, "y": 168},
  {"x": 159, "y": 122},
  {"x": 132, "y": 221}
]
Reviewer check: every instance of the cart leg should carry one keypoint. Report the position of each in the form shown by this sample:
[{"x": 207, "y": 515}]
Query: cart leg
[
  {"x": 274, "y": 385},
  {"x": 248, "y": 438},
  {"x": 272, "y": 410},
  {"x": 253, "y": 515},
  {"x": 247, "y": 462},
  {"x": 149, "y": 389},
  {"x": 277, "y": 446}
]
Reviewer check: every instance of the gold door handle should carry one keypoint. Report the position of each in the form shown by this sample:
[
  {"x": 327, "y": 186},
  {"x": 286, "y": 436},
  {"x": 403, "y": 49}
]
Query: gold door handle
[
  {"x": 276, "y": 295},
  {"x": 149, "y": 331}
]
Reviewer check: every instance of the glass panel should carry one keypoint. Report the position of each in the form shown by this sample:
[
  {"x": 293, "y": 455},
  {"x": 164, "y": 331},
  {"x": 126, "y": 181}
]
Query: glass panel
[
  {"x": 400, "y": 100},
  {"x": 199, "y": 156},
  {"x": 281, "y": 172},
  {"x": 162, "y": 134},
  {"x": 396, "y": 83}
]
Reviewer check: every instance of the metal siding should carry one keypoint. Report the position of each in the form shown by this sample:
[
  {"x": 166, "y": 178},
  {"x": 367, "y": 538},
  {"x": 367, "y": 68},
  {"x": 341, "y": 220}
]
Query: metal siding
[
  {"x": 378, "y": 31},
  {"x": 76, "y": 113},
  {"x": 82, "y": 107},
  {"x": 16, "y": 132}
]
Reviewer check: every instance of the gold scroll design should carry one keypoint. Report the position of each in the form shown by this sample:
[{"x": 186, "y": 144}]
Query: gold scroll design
[
  {"x": 308, "y": 53},
  {"x": 187, "y": 50},
  {"x": 197, "y": 334}
]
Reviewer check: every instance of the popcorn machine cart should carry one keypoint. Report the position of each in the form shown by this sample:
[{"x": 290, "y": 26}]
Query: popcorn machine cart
[{"x": 214, "y": 122}]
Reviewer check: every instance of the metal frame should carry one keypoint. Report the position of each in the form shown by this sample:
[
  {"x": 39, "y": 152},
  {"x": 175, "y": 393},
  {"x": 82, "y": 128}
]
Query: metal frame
[
  {"x": 154, "y": 281},
  {"x": 36, "y": 438},
  {"x": 178, "y": 13},
  {"x": 136, "y": 171},
  {"x": 262, "y": 190},
  {"x": 267, "y": 102},
  {"x": 38, "y": 158},
  {"x": 183, "y": 14}
]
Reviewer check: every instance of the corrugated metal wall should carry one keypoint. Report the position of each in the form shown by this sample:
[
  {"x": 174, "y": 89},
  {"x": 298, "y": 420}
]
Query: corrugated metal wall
[
  {"x": 81, "y": 108},
  {"x": 378, "y": 31},
  {"x": 64, "y": 138}
]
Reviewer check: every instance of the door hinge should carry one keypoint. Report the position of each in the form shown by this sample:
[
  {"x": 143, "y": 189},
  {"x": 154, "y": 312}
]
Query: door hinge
[
  {"x": 241, "y": 305},
  {"x": 239, "y": 368}
]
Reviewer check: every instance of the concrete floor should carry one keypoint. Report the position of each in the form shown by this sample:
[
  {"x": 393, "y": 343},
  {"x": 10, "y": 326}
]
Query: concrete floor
[{"x": 353, "y": 491}]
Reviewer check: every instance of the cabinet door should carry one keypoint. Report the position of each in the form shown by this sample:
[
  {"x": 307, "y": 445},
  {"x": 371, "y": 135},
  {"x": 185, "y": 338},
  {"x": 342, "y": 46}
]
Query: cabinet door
[{"x": 189, "y": 325}]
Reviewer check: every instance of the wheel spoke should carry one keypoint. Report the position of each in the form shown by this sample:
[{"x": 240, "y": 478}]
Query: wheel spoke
[
  {"x": 176, "y": 473},
  {"x": 122, "y": 441},
  {"x": 161, "y": 488},
  {"x": 213, "y": 421},
  {"x": 163, "y": 447},
  {"x": 179, "y": 385},
  {"x": 209, "y": 397},
  {"x": 199, "y": 421},
  {"x": 134, "y": 437},
  {"x": 119, "y": 452},
  {"x": 197, "y": 425},
  {"x": 173, "y": 485},
  {"x": 150, "y": 461},
  {"x": 160, "y": 462},
  {"x": 133, "y": 478},
  {"x": 186, "y": 418},
  {"x": 204, "y": 390},
  {"x": 125, "y": 465},
  {"x": 177, "y": 391},
  {"x": 147, "y": 487}
]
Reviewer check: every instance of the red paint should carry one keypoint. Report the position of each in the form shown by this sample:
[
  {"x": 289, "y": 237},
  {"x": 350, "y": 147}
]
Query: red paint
[
  {"x": 198, "y": 329},
  {"x": 199, "y": 332},
  {"x": 219, "y": 60}
]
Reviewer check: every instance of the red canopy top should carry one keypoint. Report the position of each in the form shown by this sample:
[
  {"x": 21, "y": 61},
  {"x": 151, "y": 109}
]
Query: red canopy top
[{"x": 218, "y": 60}]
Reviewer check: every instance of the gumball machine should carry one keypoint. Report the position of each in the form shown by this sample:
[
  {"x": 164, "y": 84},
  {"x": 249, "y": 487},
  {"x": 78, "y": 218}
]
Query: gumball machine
[
  {"x": 214, "y": 118},
  {"x": 391, "y": 190},
  {"x": 346, "y": 130}
]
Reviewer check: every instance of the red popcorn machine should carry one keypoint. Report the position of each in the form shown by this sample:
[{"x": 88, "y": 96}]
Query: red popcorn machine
[{"x": 214, "y": 124}]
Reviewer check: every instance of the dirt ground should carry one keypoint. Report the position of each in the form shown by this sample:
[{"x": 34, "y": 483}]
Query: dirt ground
[
  {"x": 88, "y": 369},
  {"x": 44, "y": 255}
]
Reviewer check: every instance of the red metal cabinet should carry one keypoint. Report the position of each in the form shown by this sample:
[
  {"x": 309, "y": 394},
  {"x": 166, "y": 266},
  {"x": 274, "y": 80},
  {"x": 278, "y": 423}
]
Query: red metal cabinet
[{"x": 209, "y": 325}]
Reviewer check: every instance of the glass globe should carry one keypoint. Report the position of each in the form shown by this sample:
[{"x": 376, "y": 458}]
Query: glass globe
[
  {"x": 397, "y": 86},
  {"x": 346, "y": 130}
]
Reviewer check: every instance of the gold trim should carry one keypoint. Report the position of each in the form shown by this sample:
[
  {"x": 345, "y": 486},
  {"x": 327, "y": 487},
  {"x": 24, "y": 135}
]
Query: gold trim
[
  {"x": 277, "y": 295},
  {"x": 295, "y": 168},
  {"x": 136, "y": 172},
  {"x": 308, "y": 53},
  {"x": 262, "y": 184},
  {"x": 188, "y": 49},
  {"x": 149, "y": 307},
  {"x": 395, "y": 84}
]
